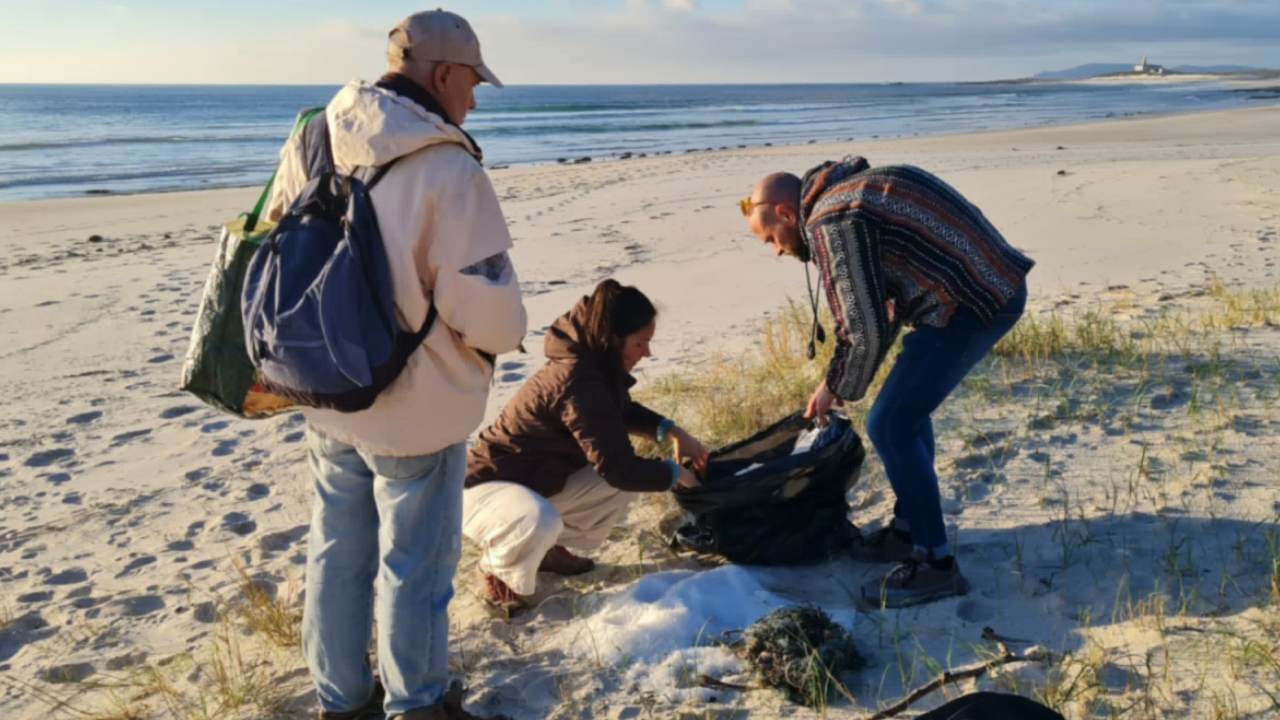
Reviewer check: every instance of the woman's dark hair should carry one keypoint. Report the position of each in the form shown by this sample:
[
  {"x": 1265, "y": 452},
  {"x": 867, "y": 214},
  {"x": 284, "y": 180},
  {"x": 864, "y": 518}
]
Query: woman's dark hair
[{"x": 616, "y": 311}]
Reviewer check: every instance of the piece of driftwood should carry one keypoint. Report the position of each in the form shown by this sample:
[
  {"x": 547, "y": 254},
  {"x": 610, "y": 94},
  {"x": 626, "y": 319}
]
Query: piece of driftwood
[
  {"x": 951, "y": 677},
  {"x": 706, "y": 681}
]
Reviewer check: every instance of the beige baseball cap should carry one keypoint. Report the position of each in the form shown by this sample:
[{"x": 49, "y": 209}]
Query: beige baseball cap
[{"x": 440, "y": 36}]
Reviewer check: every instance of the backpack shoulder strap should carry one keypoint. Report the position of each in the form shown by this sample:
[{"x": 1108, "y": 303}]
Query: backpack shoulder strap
[
  {"x": 421, "y": 335},
  {"x": 252, "y": 217},
  {"x": 375, "y": 175},
  {"x": 317, "y": 148}
]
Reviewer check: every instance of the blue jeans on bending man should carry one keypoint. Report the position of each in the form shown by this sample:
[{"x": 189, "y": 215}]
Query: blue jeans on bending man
[{"x": 933, "y": 363}]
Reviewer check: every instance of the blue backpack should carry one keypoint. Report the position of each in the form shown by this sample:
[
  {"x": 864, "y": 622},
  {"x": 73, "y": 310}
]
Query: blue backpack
[{"x": 319, "y": 312}]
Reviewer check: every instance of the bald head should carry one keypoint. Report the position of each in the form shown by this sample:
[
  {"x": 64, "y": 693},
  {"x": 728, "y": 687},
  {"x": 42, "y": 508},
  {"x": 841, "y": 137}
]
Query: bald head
[
  {"x": 778, "y": 189},
  {"x": 773, "y": 212}
]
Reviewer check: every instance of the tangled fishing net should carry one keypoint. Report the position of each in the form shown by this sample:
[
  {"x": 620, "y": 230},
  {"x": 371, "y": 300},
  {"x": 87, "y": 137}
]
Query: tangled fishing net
[{"x": 800, "y": 651}]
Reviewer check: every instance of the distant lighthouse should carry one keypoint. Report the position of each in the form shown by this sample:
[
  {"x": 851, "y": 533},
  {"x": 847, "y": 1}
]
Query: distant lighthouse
[{"x": 1146, "y": 68}]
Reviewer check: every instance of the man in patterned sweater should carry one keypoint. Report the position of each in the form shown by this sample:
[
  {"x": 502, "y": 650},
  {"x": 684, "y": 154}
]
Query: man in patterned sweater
[{"x": 897, "y": 246}]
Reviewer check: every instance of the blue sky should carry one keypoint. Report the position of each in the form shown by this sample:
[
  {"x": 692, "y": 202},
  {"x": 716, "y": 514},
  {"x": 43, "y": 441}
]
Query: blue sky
[{"x": 629, "y": 41}]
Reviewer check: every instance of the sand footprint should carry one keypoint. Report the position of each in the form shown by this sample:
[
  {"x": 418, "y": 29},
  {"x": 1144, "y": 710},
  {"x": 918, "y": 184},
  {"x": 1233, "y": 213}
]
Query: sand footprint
[
  {"x": 512, "y": 372},
  {"x": 70, "y": 576},
  {"x": 281, "y": 541},
  {"x": 84, "y": 418},
  {"x": 67, "y": 674},
  {"x": 46, "y": 458},
  {"x": 19, "y": 632},
  {"x": 138, "y": 606},
  {"x": 177, "y": 412},
  {"x": 238, "y": 524},
  {"x": 975, "y": 611},
  {"x": 974, "y": 492},
  {"x": 136, "y": 565},
  {"x": 128, "y": 437}
]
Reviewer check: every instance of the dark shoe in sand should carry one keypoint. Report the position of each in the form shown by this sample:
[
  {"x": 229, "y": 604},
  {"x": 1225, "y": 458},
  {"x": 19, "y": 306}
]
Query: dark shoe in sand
[
  {"x": 915, "y": 582},
  {"x": 887, "y": 545},
  {"x": 560, "y": 561}
]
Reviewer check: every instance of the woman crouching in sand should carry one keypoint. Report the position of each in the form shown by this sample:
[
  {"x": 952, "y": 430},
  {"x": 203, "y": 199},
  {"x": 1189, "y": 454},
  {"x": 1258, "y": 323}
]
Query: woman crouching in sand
[{"x": 557, "y": 468}]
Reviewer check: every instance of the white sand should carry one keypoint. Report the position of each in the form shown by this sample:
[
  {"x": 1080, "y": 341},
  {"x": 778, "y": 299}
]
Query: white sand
[{"x": 126, "y": 503}]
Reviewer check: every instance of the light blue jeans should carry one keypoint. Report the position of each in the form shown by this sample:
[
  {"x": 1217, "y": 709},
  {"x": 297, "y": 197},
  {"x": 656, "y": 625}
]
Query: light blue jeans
[{"x": 396, "y": 521}]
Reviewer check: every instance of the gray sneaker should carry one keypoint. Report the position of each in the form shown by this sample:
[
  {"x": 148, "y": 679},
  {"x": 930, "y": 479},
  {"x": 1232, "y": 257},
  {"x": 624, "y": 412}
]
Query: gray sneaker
[
  {"x": 887, "y": 545},
  {"x": 915, "y": 582}
]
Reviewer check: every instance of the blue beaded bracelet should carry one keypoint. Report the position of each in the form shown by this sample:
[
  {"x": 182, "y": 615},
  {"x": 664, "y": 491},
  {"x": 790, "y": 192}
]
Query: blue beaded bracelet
[{"x": 664, "y": 427}]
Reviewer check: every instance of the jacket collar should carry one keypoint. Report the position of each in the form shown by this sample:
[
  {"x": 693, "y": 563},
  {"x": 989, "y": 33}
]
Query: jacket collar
[{"x": 408, "y": 89}]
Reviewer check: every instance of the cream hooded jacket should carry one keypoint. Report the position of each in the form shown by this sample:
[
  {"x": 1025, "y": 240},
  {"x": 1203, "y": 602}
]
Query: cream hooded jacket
[{"x": 446, "y": 241}]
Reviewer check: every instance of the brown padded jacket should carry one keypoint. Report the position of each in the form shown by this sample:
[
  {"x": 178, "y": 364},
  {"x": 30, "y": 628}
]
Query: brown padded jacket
[{"x": 574, "y": 412}]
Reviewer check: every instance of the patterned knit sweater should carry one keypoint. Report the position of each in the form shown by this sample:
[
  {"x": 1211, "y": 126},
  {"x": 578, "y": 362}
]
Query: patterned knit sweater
[{"x": 900, "y": 234}]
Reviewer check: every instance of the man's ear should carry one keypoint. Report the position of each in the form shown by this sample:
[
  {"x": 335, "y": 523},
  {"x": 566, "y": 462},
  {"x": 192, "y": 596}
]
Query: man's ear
[
  {"x": 441, "y": 74},
  {"x": 788, "y": 214}
]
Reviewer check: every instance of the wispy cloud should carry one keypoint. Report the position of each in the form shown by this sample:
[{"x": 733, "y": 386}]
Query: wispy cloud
[
  {"x": 872, "y": 40},
  {"x": 343, "y": 30},
  {"x": 680, "y": 5}
]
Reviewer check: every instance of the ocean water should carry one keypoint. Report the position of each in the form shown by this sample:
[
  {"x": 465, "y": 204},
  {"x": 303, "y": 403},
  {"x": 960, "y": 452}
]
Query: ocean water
[{"x": 64, "y": 140}]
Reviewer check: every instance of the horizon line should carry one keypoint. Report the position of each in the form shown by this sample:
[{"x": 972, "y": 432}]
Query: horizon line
[{"x": 509, "y": 85}]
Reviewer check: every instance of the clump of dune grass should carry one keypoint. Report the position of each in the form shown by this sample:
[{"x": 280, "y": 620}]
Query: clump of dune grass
[
  {"x": 1098, "y": 337},
  {"x": 232, "y": 680},
  {"x": 274, "y": 615},
  {"x": 731, "y": 396}
]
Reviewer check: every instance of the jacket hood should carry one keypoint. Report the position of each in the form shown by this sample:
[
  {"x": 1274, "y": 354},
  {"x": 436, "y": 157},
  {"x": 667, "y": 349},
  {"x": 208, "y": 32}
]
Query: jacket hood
[
  {"x": 566, "y": 342},
  {"x": 371, "y": 125},
  {"x": 824, "y": 177}
]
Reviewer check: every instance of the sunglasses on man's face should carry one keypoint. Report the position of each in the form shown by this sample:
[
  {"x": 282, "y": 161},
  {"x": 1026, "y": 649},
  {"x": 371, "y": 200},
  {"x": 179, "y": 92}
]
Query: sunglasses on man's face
[{"x": 747, "y": 205}]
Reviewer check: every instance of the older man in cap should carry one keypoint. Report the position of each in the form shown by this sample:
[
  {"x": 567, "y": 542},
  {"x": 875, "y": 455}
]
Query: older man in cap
[{"x": 388, "y": 480}]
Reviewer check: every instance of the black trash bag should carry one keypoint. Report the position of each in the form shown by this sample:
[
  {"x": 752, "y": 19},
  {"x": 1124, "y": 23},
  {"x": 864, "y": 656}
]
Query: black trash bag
[
  {"x": 761, "y": 505},
  {"x": 992, "y": 706}
]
